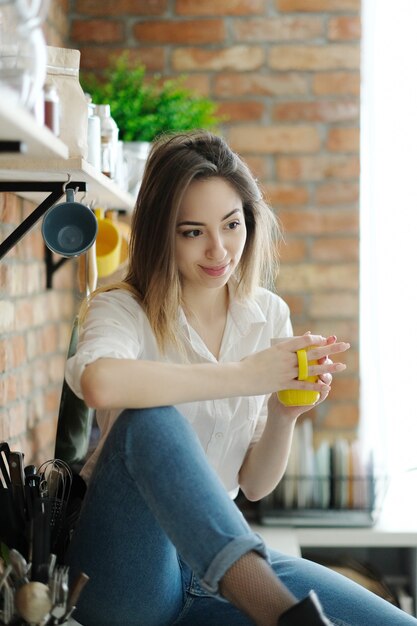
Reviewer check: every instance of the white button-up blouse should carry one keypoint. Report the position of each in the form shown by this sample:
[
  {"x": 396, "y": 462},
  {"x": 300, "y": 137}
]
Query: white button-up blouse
[{"x": 117, "y": 327}]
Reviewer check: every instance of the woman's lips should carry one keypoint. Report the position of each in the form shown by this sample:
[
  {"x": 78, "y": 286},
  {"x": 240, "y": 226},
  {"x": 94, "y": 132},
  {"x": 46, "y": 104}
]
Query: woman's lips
[{"x": 215, "y": 271}]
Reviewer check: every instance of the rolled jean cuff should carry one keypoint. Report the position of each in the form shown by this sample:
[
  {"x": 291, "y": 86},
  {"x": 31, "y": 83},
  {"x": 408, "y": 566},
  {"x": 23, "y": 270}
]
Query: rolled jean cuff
[{"x": 228, "y": 556}]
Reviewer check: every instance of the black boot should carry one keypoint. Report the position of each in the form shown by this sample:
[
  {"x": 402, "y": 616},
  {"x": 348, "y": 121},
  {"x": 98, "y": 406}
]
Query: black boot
[{"x": 308, "y": 612}]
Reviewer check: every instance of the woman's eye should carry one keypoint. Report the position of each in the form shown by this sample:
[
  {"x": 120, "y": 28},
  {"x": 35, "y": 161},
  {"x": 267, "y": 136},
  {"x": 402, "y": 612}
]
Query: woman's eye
[
  {"x": 191, "y": 234},
  {"x": 233, "y": 225}
]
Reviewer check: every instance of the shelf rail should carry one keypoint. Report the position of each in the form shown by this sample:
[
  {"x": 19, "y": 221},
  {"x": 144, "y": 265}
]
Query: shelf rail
[{"x": 13, "y": 147}]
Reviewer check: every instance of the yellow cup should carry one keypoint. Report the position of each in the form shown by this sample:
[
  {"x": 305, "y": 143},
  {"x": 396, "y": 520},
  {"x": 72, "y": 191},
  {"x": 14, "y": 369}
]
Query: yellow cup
[
  {"x": 124, "y": 230},
  {"x": 301, "y": 397},
  {"x": 108, "y": 245}
]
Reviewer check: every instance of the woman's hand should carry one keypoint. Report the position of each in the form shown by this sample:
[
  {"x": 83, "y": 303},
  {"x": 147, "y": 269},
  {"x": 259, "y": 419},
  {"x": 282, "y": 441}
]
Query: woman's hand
[
  {"x": 276, "y": 408},
  {"x": 276, "y": 368},
  {"x": 327, "y": 378}
]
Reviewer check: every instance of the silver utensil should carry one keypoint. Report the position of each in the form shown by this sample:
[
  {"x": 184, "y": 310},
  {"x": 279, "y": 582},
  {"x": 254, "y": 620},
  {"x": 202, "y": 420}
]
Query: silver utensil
[
  {"x": 59, "y": 593},
  {"x": 20, "y": 566},
  {"x": 75, "y": 592},
  {"x": 5, "y": 576}
]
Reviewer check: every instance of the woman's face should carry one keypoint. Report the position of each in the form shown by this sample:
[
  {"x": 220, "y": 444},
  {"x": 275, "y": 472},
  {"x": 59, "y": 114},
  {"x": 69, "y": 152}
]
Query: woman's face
[{"x": 211, "y": 234}]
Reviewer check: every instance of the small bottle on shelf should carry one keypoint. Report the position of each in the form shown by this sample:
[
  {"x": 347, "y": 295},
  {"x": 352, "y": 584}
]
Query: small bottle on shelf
[
  {"x": 109, "y": 139},
  {"x": 94, "y": 135}
]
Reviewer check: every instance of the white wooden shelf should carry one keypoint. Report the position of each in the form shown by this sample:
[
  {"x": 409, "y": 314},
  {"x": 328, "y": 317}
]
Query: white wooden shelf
[
  {"x": 101, "y": 190},
  {"x": 46, "y": 159},
  {"x": 16, "y": 124}
]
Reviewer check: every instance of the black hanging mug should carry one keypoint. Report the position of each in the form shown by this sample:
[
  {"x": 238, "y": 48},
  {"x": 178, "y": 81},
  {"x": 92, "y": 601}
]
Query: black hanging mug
[{"x": 69, "y": 228}]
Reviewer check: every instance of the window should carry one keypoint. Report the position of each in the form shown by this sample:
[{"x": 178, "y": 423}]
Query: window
[{"x": 388, "y": 322}]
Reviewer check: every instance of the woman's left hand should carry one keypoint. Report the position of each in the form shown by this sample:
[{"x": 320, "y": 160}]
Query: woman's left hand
[
  {"x": 327, "y": 378},
  {"x": 275, "y": 407}
]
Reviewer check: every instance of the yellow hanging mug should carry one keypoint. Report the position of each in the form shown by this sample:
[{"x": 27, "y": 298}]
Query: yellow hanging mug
[
  {"x": 108, "y": 245},
  {"x": 301, "y": 397},
  {"x": 124, "y": 230}
]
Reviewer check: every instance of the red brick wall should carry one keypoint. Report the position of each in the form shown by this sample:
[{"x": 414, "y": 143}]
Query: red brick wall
[
  {"x": 34, "y": 335},
  {"x": 34, "y": 322},
  {"x": 287, "y": 74},
  {"x": 56, "y": 23}
]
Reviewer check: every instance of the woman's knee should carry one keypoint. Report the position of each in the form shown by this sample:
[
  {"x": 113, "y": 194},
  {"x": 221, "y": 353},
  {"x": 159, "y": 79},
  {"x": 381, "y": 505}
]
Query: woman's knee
[
  {"x": 138, "y": 429},
  {"x": 143, "y": 420}
]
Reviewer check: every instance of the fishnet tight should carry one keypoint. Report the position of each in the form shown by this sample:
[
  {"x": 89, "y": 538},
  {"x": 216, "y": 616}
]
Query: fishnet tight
[{"x": 252, "y": 586}]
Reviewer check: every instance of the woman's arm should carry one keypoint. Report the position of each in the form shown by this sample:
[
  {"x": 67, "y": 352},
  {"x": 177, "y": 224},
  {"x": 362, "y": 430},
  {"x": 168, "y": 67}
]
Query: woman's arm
[
  {"x": 129, "y": 383},
  {"x": 266, "y": 461}
]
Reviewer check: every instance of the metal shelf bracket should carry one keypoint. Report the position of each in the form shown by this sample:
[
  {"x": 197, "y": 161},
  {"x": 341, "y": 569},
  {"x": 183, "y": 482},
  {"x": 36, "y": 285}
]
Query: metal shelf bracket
[{"x": 57, "y": 190}]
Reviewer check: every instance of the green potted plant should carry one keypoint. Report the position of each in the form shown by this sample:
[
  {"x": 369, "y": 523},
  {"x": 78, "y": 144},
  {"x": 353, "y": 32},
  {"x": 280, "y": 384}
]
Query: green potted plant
[{"x": 143, "y": 107}]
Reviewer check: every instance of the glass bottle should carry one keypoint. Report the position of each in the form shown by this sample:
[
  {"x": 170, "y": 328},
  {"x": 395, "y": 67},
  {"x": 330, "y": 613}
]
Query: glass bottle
[
  {"x": 109, "y": 139},
  {"x": 93, "y": 135}
]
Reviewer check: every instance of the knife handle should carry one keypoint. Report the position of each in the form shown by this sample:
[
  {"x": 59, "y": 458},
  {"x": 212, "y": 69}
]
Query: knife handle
[
  {"x": 4, "y": 465},
  {"x": 76, "y": 589},
  {"x": 17, "y": 478}
]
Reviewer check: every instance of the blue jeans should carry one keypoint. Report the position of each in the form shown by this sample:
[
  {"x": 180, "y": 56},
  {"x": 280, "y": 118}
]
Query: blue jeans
[{"x": 158, "y": 531}]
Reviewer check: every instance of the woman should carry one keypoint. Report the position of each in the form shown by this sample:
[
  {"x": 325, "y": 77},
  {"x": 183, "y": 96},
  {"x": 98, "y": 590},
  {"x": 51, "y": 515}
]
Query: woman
[{"x": 182, "y": 363}]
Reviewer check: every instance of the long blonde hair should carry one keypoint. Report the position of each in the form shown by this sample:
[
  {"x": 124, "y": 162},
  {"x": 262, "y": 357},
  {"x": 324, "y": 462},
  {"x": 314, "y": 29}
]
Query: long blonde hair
[{"x": 152, "y": 277}]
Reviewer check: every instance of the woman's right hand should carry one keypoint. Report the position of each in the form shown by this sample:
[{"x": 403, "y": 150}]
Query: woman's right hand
[{"x": 276, "y": 368}]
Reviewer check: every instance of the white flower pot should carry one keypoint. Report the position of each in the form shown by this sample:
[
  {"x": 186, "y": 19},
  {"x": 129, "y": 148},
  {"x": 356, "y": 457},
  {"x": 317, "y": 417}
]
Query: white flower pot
[{"x": 135, "y": 154}]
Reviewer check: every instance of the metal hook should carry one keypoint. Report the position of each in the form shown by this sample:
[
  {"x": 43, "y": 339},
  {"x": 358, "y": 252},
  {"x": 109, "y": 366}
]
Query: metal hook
[
  {"x": 83, "y": 198},
  {"x": 64, "y": 186}
]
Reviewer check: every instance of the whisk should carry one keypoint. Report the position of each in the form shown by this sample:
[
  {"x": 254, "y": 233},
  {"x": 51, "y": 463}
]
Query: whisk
[{"x": 55, "y": 486}]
